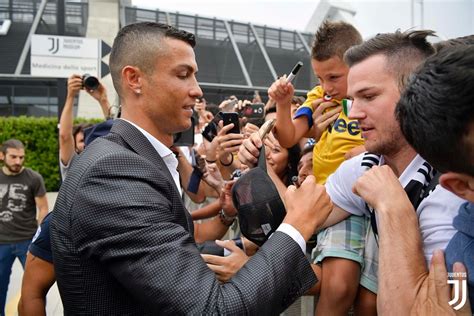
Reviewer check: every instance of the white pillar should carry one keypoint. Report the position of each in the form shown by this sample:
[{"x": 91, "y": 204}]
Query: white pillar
[{"x": 103, "y": 23}]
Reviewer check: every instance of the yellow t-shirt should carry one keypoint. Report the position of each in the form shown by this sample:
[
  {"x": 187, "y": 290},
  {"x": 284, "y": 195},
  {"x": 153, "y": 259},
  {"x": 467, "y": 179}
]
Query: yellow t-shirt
[{"x": 336, "y": 140}]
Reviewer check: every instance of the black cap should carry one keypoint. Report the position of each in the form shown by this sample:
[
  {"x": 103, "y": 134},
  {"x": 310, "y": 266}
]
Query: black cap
[{"x": 259, "y": 205}]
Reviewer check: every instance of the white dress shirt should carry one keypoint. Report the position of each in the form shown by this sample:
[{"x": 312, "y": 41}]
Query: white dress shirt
[{"x": 165, "y": 153}]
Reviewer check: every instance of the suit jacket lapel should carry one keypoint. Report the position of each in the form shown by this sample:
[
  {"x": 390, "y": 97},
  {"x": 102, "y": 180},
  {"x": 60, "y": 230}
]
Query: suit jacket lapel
[{"x": 140, "y": 144}]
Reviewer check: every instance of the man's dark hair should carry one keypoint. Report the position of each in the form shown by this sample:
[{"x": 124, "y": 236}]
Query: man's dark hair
[
  {"x": 333, "y": 39},
  {"x": 404, "y": 51},
  {"x": 436, "y": 111},
  {"x": 294, "y": 155},
  {"x": 464, "y": 40},
  {"x": 139, "y": 44},
  {"x": 78, "y": 128},
  {"x": 12, "y": 143},
  {"x": 213, "y": 108}
]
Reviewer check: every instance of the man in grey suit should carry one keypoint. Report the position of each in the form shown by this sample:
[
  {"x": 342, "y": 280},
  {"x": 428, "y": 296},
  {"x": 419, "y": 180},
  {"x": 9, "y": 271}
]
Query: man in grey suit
[{"x": 122, "y": 240}]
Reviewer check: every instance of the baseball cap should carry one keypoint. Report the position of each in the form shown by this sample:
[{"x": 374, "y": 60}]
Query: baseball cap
[{"x": 260, "y": 208}]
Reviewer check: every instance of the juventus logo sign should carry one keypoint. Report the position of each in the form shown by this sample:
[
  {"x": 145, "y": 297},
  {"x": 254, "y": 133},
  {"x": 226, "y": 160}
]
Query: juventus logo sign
[
  {"x": 460, "y": 290},
  {"x": 54, "y": 45}
]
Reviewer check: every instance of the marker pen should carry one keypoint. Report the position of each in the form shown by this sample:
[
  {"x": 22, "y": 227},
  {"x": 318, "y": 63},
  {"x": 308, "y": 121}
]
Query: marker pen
[{"x": 294, "y": 71}]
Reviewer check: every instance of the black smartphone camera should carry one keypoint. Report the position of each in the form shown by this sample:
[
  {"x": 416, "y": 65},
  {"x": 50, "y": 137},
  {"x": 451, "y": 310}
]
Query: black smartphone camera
[
  {"x": 185, "y": 138},
  {"x": 89, "y": 82}
]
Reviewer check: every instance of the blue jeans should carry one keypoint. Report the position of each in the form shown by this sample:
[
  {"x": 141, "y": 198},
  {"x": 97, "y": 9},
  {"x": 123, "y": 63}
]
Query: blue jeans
[{"x": 8, "y": 253}]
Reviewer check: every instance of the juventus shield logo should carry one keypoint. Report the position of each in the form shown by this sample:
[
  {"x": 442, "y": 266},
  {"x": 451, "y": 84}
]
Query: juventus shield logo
[
  {"x": 54, "y": 45},
  {"x": 460, "y": 291}
]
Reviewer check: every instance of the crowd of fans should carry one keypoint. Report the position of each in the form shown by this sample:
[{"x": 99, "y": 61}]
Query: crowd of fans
[{"x": 374, "y": 167}]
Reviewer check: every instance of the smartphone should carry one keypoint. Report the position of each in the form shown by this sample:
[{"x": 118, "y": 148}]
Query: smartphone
[
  {"x": 210, "y": 130},
  {"x": 231, "y": 117},
  {"x": 254, "y": 110},
  {"x": 266, "y": 128}
]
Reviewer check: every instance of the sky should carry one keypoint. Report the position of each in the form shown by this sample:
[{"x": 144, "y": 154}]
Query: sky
[
  {"x": 450, "y": 18},
  {"x": 293, "y": 15}
]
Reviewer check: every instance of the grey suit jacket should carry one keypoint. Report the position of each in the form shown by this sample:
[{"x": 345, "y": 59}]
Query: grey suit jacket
[{"x": 123, "y": 243}]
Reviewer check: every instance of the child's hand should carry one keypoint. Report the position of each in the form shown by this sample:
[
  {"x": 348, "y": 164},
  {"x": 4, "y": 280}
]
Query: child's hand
[
  {"x": 281, "y": 92},
  {"x": 325, "y": 113}
]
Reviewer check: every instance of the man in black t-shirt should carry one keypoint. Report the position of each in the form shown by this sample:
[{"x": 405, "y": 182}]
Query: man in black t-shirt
[{"x": 22, "y": 191}]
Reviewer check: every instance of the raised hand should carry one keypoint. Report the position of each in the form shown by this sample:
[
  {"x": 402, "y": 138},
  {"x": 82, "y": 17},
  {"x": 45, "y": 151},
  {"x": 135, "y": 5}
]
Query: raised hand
[
  {"x": 74, "y": 85},
  {"x": 281, "y": 92},
  {"x": 381, "y": 189},
  {"x": 307, "y": 207}
]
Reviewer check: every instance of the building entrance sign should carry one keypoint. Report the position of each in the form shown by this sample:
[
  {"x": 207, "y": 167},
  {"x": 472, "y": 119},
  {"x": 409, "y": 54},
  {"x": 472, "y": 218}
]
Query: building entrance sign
[{"x": 62, "y": 56}]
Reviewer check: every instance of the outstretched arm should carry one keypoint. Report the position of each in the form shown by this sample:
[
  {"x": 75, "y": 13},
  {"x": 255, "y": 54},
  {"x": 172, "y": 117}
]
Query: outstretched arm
[
  {"x": 66, "y": 139},
  {"x": 100, "y": 94}
]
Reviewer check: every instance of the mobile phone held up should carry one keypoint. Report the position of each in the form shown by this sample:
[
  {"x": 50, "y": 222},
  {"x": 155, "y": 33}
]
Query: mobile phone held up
[
  {"x": 210, "y": 130},
  {"x": 231, "y": 117},
  {"x": 254, "y": 110}
]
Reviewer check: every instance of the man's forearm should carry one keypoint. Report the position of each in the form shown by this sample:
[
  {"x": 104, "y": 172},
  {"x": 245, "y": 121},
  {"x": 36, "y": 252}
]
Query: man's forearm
[
  {"x": 106, "y": 107},
  {"x": 284, "y": 129},
  {"x": 66, "y": 139},
  {"x": 67, "y": 117},
  {"x": 42, "y": 214},
  {"x": 401, "y": 261},
  {"x": 32, "y": 306}
]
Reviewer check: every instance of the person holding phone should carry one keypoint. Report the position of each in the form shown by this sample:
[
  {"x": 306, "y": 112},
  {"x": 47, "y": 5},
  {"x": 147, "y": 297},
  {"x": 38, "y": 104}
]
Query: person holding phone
[{"x": 224, "y": 137}]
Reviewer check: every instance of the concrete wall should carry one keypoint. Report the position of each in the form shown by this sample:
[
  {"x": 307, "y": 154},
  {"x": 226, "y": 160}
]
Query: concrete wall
[{"x": 103, "y": 24}]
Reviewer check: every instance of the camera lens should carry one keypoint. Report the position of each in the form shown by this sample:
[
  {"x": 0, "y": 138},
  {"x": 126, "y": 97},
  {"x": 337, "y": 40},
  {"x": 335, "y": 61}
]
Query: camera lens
[{"x": 90, "y": 82}]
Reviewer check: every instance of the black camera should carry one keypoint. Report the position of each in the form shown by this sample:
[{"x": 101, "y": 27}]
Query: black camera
[{"x": 90, "y": 82}]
